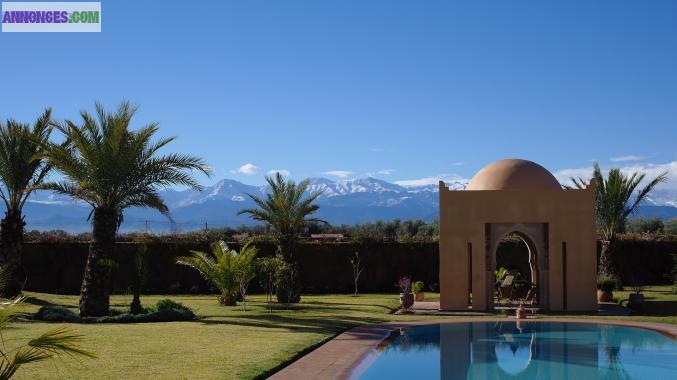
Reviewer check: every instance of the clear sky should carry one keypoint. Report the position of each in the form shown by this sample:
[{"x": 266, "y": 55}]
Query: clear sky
[{"x": 401, "y": 90}]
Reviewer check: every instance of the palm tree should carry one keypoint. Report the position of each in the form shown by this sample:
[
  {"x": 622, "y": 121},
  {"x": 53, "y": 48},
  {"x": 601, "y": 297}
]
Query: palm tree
[
  {"x": 285, "y": 210},
  {"x": 21, "y": 171},
  {"x": 614, "y": 204},
  {"x": 224, "y": 269},
  {"x": 111, "y": 167}
]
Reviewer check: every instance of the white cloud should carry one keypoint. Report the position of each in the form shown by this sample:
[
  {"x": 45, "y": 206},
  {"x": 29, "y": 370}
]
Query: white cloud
[
  {"x": 338, "y": 173},
  {"x": 248, "y": 169},
  {"x": 458, "y": 163},
  {"x": 283, "y": 172},
  {"x": 626, "y": 158},
  {"x": 434, "y": 180},
  {"x": 237, "y": 198}
]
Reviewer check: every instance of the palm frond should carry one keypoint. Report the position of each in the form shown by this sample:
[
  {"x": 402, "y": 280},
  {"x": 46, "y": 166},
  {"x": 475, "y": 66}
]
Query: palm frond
[{"x": 109, "y": 165}]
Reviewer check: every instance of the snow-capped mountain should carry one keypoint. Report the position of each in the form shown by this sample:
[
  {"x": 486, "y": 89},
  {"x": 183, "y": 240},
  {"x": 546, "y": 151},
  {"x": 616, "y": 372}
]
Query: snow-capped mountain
[
  {"x": 342, "y": 202},
  {"x": 662, "y": 197}
]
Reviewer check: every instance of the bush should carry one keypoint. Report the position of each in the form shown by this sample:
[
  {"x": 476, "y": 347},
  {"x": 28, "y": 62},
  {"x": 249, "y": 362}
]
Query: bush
[
  {"x": 167, "y": 304},
  {"x": 164, "y": 310},
  {"x": 56, "y": 314},
  {"x": 417, "y": 286},
  {"x": 608, "y": 283}
]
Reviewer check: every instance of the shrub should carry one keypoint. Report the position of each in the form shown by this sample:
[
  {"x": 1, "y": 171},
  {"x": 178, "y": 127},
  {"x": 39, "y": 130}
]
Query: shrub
[
  {"x": 417, "y": 286},
  {"x": 404, "y": 284},
  {"x": 608, "y": 283},
  {"x": 164, "y": 310},
  {"x": 56, "y": 314},
  {"x": 167, "y": 304}
]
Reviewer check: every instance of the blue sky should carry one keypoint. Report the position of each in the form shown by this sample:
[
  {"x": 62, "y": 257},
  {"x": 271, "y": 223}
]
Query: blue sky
[{"x": 402, "y": 90}]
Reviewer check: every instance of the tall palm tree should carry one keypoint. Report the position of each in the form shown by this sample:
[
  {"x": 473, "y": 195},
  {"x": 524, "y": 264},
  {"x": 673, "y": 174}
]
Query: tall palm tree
[
  {"x": 615, "y": 203},
  {"x": 21, "y": 171},
  {"x": 285, "y": 210},
  {"x": 111, "y": 167}
]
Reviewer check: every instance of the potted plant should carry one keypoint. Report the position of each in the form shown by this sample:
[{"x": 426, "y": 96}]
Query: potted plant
[
  {"x": 636, "y": 298},
  {"x": 417, "y": 289},
  {"x": 406, "y": 297},
  {"x": 605, "y": 287}
]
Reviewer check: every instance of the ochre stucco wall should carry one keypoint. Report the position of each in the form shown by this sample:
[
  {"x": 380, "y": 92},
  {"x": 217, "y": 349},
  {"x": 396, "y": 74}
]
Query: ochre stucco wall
[{"x": 570, "y": 218}]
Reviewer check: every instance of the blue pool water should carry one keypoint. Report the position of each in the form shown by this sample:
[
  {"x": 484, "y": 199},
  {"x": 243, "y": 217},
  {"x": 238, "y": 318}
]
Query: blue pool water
[{"x": 525, "y": 350}]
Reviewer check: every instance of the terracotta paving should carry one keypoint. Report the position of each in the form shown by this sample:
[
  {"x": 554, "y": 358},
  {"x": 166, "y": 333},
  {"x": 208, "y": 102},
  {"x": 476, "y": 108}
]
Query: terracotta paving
[{"x": 337, "y": 358}]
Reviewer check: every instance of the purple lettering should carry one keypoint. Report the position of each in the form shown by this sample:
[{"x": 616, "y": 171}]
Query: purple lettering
[
  {"x": 49, "y": 17},
  {"x": 6, "y": 18}
]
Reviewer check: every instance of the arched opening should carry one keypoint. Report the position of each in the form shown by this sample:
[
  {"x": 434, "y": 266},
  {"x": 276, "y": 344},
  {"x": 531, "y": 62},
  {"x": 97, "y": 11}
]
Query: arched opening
[{"x": 516, "y": 272}]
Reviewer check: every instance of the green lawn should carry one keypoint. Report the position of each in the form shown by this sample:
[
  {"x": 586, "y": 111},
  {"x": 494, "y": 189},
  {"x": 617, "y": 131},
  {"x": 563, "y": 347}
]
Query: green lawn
[{"x": 226, "y": 342}]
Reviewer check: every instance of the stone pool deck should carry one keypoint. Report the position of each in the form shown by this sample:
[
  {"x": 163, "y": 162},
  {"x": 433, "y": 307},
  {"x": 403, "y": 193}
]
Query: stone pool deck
[
  {"x": 604, "y": 309},
  {"x": 357, "y": 347}
]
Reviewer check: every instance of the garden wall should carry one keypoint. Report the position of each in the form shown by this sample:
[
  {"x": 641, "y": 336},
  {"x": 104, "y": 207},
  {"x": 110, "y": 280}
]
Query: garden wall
[
  {"x": 57, "y": 267},
  {"x": 324, "y": 268}
]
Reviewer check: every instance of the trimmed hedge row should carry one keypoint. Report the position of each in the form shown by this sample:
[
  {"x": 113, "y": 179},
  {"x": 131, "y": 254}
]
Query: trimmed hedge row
[{"x": 324, "y": 267}]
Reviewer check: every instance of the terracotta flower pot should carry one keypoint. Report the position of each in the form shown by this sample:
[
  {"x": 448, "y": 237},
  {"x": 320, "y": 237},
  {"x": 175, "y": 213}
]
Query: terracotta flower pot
[
  {"x": 419, "y": 296},
  {"x": 406, "y": 300},
  {"x": 604, "y": 295},
  {"x": 636, "y": 300}
]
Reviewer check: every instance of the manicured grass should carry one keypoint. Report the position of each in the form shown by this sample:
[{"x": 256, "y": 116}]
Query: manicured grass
[
  {"x": 227, "y": 342},
  {"x": 660, "y": 304}
]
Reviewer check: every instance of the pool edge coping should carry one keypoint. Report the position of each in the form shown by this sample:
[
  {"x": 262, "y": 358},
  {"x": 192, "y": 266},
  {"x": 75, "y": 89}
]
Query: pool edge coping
[{"x": 340, "y": 356}]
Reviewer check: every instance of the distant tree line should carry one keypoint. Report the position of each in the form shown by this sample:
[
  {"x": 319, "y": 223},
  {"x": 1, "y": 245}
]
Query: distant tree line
[
  {"x": 651, "y": 226},
  {"x": 394, "y": 230}
]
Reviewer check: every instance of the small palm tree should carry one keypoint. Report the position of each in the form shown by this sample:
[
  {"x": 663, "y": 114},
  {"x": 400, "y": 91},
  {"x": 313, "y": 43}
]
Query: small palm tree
[
  {"x": 286, "y": 211},
  {"x": 111, "y": 167},
  {"x": 614, "y": 204},
  {"x": 21, "y": 171},
  {"x": 224, "y": 268},
  {"x": 139, "y": 278},
  {"x": 54, "y": 342}
]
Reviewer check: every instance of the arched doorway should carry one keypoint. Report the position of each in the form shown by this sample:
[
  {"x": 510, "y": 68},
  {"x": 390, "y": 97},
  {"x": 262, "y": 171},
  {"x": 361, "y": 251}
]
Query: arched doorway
[
  {"x": 516, "y": 271},
  {"x": 532, "y": 287}
]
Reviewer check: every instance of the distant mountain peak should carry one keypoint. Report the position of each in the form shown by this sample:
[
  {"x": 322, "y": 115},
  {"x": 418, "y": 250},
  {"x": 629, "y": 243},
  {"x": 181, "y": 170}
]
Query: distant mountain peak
[{"x": 347, "y": 201}]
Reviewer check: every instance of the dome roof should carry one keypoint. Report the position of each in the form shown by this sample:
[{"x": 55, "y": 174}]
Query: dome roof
[{"x": 513, "y": 174}]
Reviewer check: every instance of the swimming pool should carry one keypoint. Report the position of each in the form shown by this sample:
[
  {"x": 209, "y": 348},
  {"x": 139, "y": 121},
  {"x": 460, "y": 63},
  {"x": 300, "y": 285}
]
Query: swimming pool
[{"x": 528, "y": 350}]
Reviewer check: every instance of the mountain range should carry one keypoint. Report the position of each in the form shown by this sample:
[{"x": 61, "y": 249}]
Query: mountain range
[{"x": 342, "y": 202}]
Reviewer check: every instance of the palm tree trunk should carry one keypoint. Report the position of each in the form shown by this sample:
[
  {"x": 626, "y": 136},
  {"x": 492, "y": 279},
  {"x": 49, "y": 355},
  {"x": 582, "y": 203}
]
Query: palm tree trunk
[
  {"x": 606, "y": 267},
  {"x": 227, "y": 299},
  {"x": 135, "y": 306},
  {"x": 12, "y": 237},
  {"x": 95, "y": 291},
  {"x": 289, "y": 290}
]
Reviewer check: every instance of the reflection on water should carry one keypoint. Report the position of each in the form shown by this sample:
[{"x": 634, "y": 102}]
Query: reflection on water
[{"x": 529, "y": 350}]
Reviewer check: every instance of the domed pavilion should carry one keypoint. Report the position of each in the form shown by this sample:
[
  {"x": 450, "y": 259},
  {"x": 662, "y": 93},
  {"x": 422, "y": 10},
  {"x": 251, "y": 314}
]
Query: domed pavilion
[{"x": 522, "y": 198}]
